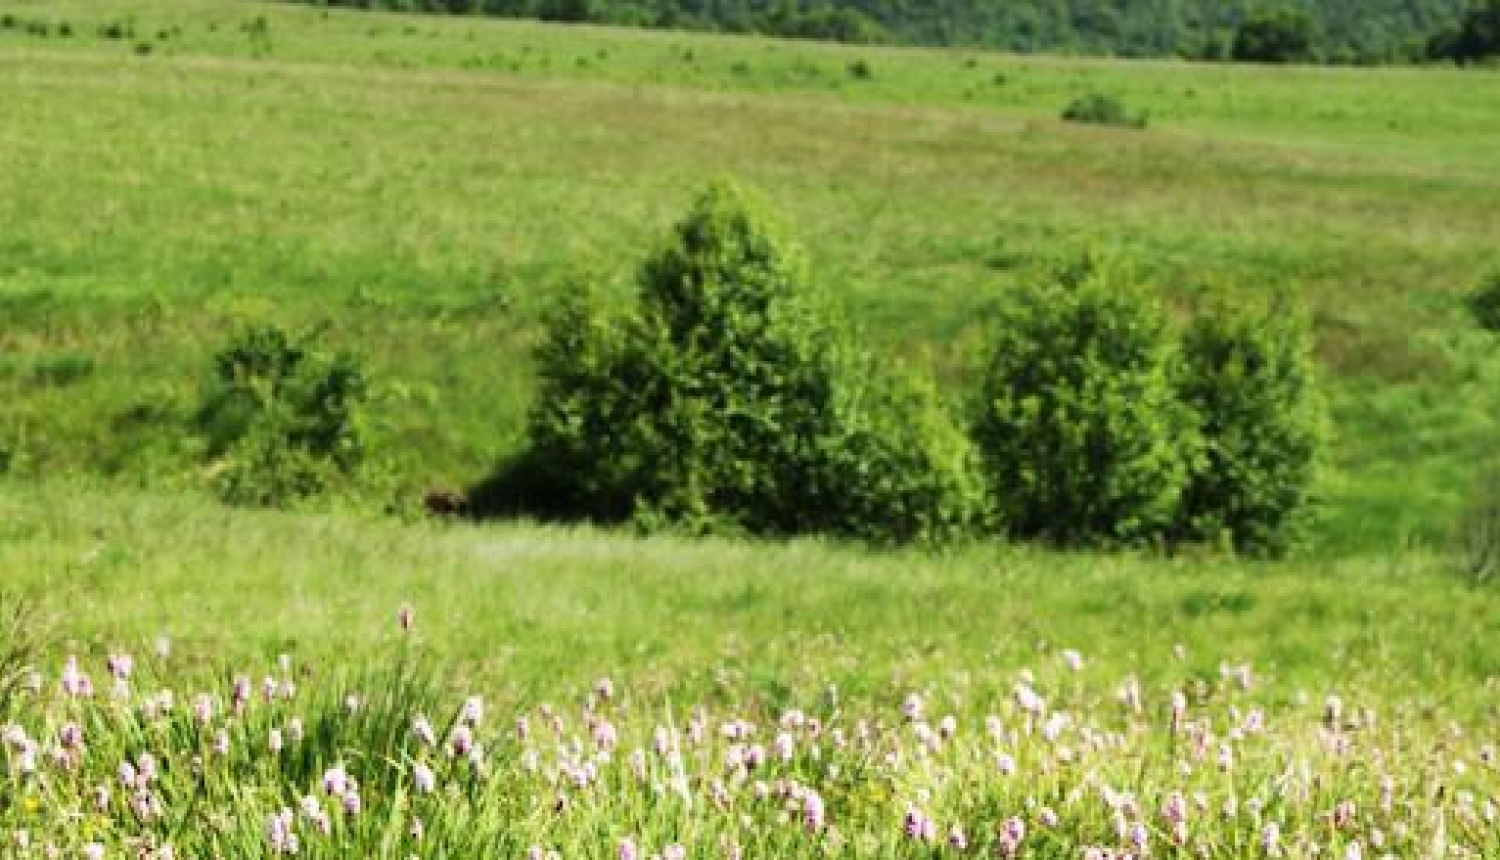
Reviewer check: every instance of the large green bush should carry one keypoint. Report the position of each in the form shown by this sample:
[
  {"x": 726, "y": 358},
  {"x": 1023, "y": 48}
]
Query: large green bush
[
  {"x": 278, "y": 417},
  {"x": 1083, "y": 438},
  {"x": 727, "y": 398},
  {"x": 1248, "y": 377}
]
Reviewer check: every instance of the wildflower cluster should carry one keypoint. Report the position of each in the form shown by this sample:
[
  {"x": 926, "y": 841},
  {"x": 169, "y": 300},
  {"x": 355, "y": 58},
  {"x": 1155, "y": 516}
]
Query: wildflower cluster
[{"x": 1066, "y": 764}]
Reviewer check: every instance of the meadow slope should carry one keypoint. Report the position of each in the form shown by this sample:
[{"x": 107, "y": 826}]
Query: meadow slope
[
  {"x": 425, "y": 189},
  {"x": 429, "y": 186}
]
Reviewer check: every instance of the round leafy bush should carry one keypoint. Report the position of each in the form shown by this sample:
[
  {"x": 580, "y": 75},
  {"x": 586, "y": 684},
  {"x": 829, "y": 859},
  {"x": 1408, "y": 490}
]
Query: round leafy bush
[
  {"x": 278, "y": 417},
  {"x": 1249, "y": 379},
  {"x": 1082, "y": 436},
  {"x": 900, "y": 469},
  {"x": 727, "y": 398}
]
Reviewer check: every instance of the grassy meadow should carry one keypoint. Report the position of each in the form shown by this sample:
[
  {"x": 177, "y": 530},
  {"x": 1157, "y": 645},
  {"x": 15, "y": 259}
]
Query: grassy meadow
[
  {"x": 791, "y": 700},
  {"x": 425, "y": 189}
]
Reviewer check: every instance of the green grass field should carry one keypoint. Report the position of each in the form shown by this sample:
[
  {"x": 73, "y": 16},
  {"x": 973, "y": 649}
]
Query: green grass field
[
  {"x": 427, "y": 188},
  {"x": 695, "y": 634}
]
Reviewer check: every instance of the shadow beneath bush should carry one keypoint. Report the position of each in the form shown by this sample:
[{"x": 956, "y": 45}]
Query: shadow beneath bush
[{"x": 524, "y": 486}]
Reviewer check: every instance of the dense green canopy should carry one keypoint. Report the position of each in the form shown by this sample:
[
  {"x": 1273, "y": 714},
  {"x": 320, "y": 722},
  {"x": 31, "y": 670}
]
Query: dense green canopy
[{"x": 1342, "y": 30}]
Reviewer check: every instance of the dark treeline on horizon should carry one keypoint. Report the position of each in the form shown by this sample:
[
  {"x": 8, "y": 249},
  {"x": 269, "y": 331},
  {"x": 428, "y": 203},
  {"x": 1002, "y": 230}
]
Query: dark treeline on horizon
[{"x": 1332, "y": 31}]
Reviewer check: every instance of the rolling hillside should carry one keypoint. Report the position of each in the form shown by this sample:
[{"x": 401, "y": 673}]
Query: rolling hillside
[{"x": 426, "y": 187}]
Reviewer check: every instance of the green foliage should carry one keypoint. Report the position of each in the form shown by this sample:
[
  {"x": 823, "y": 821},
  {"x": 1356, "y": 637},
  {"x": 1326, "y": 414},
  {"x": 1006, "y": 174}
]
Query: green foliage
[
  {"x": 566, "y": 11},
  {"x": 278, "y": 418},
  {"x": 1476, "y": 38},
  {"x": 580, "y": 461},
  {"x": 1100, "y": 109},
  {"x": 902, "y": 470},
  {"x": 1339, "y": 30},
  {"x": 1249, "y": 379},
  {"x": 1278, "y": 36},
  {"x": 1082, "y": 436},
  {"x": 826, "y": 22},
  {"x": 1484, "y": 304},
  {"x": 726, "y": 399}
]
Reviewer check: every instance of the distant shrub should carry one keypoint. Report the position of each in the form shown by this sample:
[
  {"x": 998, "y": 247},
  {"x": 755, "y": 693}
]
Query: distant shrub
[
  {"x": 258, "y": 32},
  {"x": 1274, "y": 36},
  {"x": 1249, "y": 380},
  {"x": 728, "y": 400},
  {"x": 861, "y": 70},
  {"x": 1484, "y": 304},
  {"x": 278, "y": 418},
  {"x": 117, "y": 30},
  {"x": 1100, "y": 109},
  {"x": 1083, "y": 438},
  {"x": 8, "y": 21},
  {"x": 65, "y": 30}
]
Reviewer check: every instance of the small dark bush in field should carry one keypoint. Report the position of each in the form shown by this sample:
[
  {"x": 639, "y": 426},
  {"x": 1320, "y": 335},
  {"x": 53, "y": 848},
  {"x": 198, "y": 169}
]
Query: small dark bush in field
[
  {"x": 1484, "y": 304},
  {"x": 1100, "y": 109},
  {"x": 1275, "y": 36},
  {"x": 39, "y": 28},
  {"x": 1248, "y": 379},
  {"x": 7, "y": 22},
  {"x": 861, "y": 70},
  {"x": 65, "y": 30},
  {"x": 144, "y": 49},
  {"x": 1084, "y": 440},
  {"x": 117, "y": 30},
  {"x": 258, "y": 32},
  {"x": 728, "y": 399},
  {"x": 279, "y": 418}
]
